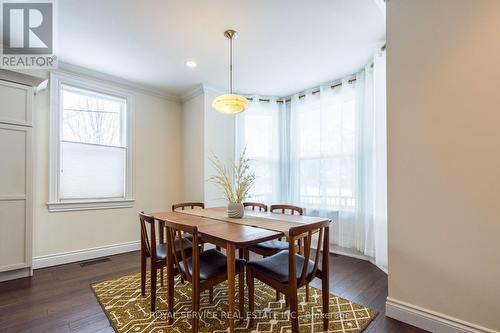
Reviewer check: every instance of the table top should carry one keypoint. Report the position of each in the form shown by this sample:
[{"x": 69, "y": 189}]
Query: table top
[
  {"x": 265, "y": 220},
  {"x": 221, "y": 232}
]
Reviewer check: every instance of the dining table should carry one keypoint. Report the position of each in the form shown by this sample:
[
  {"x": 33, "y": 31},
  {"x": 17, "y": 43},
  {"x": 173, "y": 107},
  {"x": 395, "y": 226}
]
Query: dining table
[{"x": 215, "y": 227}]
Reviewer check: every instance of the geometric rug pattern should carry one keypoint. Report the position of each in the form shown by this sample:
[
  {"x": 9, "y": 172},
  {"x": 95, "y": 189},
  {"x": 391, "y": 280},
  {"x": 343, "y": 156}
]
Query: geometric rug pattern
[{"x": 129, "y": 312}]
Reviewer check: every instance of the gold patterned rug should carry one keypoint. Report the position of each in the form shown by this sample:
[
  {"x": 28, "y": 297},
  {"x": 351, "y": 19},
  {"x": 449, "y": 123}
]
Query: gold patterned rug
[{"x": 128, "y": 311}]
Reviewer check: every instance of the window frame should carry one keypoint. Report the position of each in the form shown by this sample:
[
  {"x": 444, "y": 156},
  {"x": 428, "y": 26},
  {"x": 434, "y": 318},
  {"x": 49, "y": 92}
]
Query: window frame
[{"x": 57, "y": 80}]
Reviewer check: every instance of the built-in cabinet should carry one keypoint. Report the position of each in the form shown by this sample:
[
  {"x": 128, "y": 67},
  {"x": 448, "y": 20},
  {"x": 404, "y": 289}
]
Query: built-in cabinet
[{"x": 16, "y": 180}]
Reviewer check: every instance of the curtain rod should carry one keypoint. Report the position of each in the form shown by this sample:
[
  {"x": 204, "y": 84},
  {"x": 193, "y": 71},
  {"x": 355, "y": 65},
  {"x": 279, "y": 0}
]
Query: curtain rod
[{"x": 333, "y": 86}]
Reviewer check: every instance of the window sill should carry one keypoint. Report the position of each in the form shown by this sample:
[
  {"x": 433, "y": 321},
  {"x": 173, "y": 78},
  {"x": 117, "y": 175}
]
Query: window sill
[{"x": 89, "y": 205}]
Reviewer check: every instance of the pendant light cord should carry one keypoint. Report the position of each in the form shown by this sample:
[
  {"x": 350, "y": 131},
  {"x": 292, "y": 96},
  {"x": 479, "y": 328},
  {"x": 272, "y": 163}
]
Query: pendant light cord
[{"x": 231, "y": 65}]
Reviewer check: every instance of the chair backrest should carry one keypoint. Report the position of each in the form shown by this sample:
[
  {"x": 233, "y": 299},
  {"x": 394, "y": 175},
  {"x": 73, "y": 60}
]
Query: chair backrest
[
  {"x": 284, "y": 208},
  {"x": 191, "y": 205},
  {"x": 145, "y": 240},
  {"x": 178, "y": 254},
  {"x": 253, "y": 205},
  {"x": 307, "y": 231}
]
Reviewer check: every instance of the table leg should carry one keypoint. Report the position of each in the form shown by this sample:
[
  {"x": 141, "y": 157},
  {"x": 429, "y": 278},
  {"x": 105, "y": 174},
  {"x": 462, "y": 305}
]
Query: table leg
[
  {"x": 231, "y": 269},
  {"x": 325, "y": 279},
  {"x": 170, "y": 287}
]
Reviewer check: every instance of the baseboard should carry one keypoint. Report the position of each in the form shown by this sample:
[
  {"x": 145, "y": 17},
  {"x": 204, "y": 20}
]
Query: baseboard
[
  {"x": 15, "y": 274},
  {"x": 430, "y": 320},
  {"x": 86, "y": 254}
]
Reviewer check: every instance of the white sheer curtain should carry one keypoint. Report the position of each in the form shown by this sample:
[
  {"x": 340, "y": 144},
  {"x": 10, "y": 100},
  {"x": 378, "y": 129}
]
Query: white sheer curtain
[
  {"x": 323, "y": 158},
  {"x": 258, "y": 130},
  {"x": 372, "y": 165},
  {"x": 325, "y": 150}
]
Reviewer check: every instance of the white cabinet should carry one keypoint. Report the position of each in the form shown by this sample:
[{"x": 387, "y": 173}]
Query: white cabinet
[
  {"x": 15, "y": 103},
  {"x": 16, "y": 192}
]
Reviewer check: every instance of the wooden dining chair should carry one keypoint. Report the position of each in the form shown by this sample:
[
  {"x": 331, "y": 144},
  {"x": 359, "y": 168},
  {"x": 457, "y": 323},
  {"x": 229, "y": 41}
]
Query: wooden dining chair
[
  {"x": 287, "y": 271},
  {"x": 157, "y": 254},
  {"x": 203, "y": 270},
  {"x": 261, "y": 207},
  {"x": 274, "y": 246},
  {"x": 184, "y": 205},
  {"x": 192, "y": 205},
  {"x": 283, "y": 209}
]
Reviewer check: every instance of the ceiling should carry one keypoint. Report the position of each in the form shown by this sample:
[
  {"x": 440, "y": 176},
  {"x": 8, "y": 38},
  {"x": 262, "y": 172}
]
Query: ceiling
[{"x": 284, "y": 46}]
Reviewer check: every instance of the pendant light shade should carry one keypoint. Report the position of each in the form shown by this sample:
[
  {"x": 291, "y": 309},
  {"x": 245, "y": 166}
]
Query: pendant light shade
[{"x": 230, "y": 103}]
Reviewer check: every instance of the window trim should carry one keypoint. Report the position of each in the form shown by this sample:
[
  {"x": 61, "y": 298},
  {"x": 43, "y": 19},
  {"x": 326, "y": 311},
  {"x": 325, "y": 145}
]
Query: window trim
[{"x": 57, "y": 79}]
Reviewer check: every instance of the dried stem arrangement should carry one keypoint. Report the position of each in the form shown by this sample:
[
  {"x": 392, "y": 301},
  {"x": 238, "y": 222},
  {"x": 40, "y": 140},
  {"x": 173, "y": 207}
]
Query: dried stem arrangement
[{"x": 236, "y": 181}]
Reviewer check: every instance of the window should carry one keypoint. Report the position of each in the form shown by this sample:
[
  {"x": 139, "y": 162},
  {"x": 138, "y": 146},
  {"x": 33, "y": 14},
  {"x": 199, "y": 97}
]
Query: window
[
  {"x": 325, "y": 150},
  {"x": 90, "y": 145},
  {"x": 258, "y": 129}
]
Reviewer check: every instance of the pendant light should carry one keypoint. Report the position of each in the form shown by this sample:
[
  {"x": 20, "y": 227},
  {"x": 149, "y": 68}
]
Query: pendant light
[{"x": 230, "y": 103}]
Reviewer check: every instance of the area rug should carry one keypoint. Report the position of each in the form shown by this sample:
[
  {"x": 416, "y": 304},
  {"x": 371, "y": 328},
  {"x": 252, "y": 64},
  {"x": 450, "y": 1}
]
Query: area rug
[{"x": 128, "y": 311}]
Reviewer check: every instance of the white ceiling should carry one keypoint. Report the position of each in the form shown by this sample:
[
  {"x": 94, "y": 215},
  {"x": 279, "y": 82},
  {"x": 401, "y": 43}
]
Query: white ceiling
[{"x": 284, "y": 46}]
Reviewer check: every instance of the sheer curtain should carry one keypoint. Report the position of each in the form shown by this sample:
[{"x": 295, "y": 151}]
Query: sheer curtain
[
  {"x": 258, "y": 130},
  {"x": 372, "y": 165},
  {"x": 323, "y": 158},
  {"x": 325, "y": 150}
]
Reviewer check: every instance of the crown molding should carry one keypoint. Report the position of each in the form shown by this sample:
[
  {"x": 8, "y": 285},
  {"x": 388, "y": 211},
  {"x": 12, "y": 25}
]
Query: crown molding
[
  {"x": 200, "y": 89},
  {"x": 190, "y": 94},
  {"x": 123, "y": 83},
  {"x": 21, "y": 78}
]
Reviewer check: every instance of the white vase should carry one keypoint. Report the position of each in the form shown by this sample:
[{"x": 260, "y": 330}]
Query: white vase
[{"x": 235, "y": 210}]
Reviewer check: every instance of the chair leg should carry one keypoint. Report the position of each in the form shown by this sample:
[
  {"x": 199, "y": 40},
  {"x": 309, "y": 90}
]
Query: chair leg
[
  {"x": 211, "y": 295},
  {"x": 307, "y": 292},
  {"x": 153, "y": 288},
  {"x": 170, "y": 283},
  {"x": 277, "y": 295},
  {"x": 251, "y": 297},
  {"x": 196, "y": 311},
  {"x": 143, "y": 274},
  {"x": 247, "y": 257},
  {"x": 241, "y": 291},
  {"x": 287, "y": 302},
  {"x": 162, "y": 279},
  {"x": 294, "y": 310}
]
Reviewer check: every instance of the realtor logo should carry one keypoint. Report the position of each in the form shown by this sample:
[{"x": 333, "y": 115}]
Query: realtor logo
[{"x": 28, "y": 34}]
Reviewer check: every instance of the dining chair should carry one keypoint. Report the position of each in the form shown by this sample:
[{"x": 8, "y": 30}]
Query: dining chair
[
  {"x": 274, "y": 246},
  {"x": 192, "y": 205},
  {"x": 284, "y": 208},
  {"x": 261, "y": 207},
  {"x": 184, "y": 205},
  {"x": 203, "y": 270},
  {"x": 157, "y": 254},
  {"x": 287, "y": 270}
]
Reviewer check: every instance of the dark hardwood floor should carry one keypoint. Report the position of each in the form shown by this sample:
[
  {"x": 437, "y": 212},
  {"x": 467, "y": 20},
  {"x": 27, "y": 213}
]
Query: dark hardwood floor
[{"x": 59, "y": 299}]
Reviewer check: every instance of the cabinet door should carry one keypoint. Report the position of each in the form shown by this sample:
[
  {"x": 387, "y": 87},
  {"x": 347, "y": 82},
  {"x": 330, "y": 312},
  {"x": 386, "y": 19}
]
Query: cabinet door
[
  {"x": 15, "y": 197},
  {"x": 16, "y": 102}
]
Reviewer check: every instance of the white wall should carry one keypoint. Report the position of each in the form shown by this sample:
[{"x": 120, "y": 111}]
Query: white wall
[
  {"x": 219, "y": 140},
  {"x": 157, "y": 181},
  {"x": 444, "y": 157},
  {"x": 207, "y": 132},
  {"x": 193, "y": 148}
]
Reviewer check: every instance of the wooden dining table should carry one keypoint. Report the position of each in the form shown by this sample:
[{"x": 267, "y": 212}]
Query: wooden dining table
[{"x": 234, "y": 234}]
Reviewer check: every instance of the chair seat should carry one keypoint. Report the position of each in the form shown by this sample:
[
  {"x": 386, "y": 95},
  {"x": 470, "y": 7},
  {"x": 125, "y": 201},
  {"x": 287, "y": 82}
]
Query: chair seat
[
  {"x": 212, "y": 264},
  {"x": 276, "y": 266},
  {"x": 272, "y": 245},
  {"x": 161, "y": 249}
]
